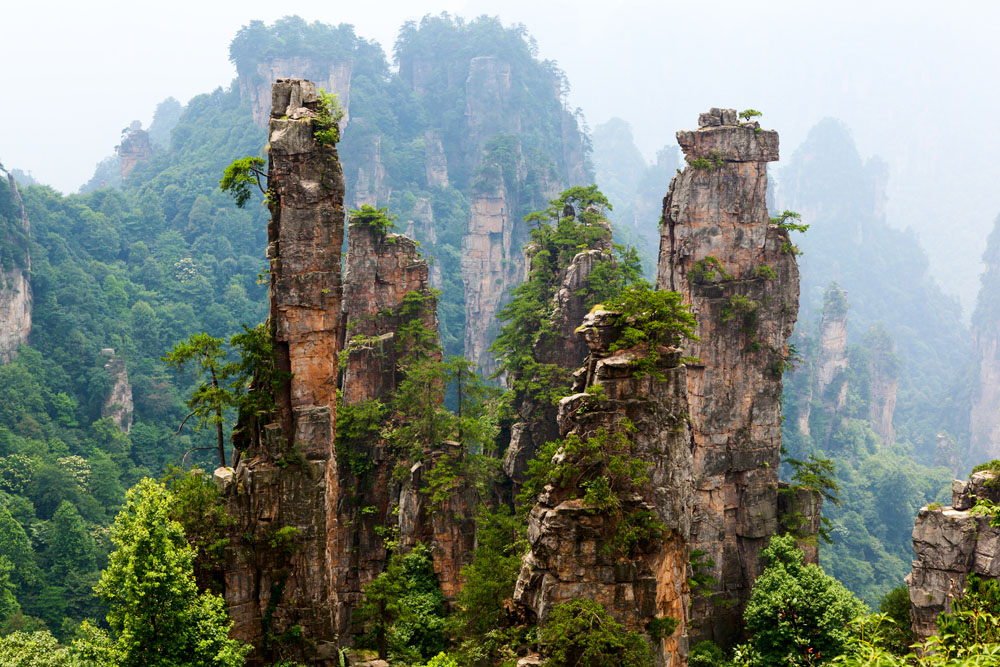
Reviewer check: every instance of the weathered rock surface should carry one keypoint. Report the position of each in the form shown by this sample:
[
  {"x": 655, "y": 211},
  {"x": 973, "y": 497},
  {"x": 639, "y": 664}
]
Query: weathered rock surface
[
  {"x": 572, "y": 555},
  {"x": 118, "y": 405},
  {"x": 135, "y": 148},
  {"x": 883, "y": 382},
  {"x": 744, "y": 320},
  {"x": 288, "y": 557},
  {"x": 381, "y": 272},
  {"x": 15, "y": 290},
  {"x": 333, "y": 77},
  {"x": 490, "y": 267},
  {"x": 951, "y": 543},
  {"x": 831, "y": 352},
  {"x": 984, "y": 416}
]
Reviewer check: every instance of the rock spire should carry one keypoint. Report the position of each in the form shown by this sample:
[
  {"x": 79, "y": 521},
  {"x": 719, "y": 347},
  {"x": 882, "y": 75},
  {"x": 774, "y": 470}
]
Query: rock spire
[{"x": 737, "y": 271}]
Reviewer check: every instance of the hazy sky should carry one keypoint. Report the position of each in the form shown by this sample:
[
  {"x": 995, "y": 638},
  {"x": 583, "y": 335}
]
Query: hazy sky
[{"x": 916, "y": 81}]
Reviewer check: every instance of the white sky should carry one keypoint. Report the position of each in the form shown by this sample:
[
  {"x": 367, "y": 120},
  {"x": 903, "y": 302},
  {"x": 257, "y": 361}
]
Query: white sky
[{"x": 917, "y": 81}]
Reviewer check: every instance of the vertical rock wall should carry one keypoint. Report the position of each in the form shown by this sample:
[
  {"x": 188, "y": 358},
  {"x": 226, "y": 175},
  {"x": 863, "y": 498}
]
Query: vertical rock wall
[
  {"x": 951, "y": 543},
  {"x": 118, "y": 405},
  {"x": 984, "y": 416},
  {"x": 288, "y": 556},
  {"x": 15, "y": 290},
  {"x": 715, "y": 214},
  {"x": 831, "y": 351},
  {"x": 883, "y": 382},
  {"x": 571, "y": 551},
  {"x": 135, "y": 148},
  {"x": 381, "y": 271}
]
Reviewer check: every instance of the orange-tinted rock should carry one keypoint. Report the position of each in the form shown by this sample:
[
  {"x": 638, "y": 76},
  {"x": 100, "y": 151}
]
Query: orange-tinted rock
[
  {"x": 717, "y": 214},
  {"x": 288, "y": 557},
  {"x": 135, "y": 148}
]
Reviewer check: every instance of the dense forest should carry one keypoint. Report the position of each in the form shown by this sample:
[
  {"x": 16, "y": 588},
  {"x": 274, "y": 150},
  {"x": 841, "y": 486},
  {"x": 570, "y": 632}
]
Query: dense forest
[{"x": 156, "y": 270}]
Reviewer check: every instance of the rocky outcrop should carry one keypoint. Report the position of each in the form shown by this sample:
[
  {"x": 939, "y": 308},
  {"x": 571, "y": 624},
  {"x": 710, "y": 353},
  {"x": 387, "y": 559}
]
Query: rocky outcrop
[
  {"x": 951, "y": 543},
  {"x": 883, "y": 382},
  {"x": 831, "y": 350},
  {"x": 332, "y": 76},
  {"x": 984, "y": 416},
  {"x": 118, "y": 405},
  {"x": 489, "y": 269},
  {"x": 573, "y": 553},
  {"x": 381, "y": 270},
  {"x": 288, "y": 556},
  {"x": 386, "y": 289},
  {"x": 15, "y": 290},
  {"x": 135, "y": 148},
  {"x": 716, "y": 240}
]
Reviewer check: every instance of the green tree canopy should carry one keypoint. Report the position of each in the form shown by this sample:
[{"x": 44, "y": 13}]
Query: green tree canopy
[{"x": 157, "y": 616}]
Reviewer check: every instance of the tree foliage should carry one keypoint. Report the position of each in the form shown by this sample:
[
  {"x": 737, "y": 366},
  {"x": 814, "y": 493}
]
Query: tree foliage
[{"x": 156, "y": 614}]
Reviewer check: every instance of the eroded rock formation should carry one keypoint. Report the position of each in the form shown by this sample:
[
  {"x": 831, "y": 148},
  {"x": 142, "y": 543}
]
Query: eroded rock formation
[
  {"x": 15, "y": 290},
  {"x": 738, "y": 273},
  {"x": 831, "y": 350},
  {"x": 573, "y": 553},
  {"x": 984, "y": 417},
  {"x": 951, "y": 543},
  {"x": 287, "y": 560},
  {"x": 333, "y": 77},
  {"x": 135, "y": 148},
  {"x": 118, "y": 405},
  {"x": 883, "y": 382},
  {"x": 386, "y": 289}
]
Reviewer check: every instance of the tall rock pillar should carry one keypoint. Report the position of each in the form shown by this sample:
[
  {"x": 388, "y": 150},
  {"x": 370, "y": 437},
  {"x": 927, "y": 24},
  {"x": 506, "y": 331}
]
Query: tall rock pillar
[
  {"x": 738, "y": 273},
  {"x": 15, "y": 290},
  {"x": 576, "y": 549},
  {"x": 285, "y": 555},
  {"x": 984, "y": 417}
]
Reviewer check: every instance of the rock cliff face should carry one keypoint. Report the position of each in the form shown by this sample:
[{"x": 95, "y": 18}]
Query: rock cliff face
[
  {"x": 118, "y": 405},
  {"x": 716, "y": 239},
  {"x": 572, "y": 550},
  {"x": 287, "y": 560},
  {"x": 15, "y": 290},
  {"x": 883, "y": 382},
  {"x": 950, "y": 543},
  {"x": 134, "y": 149},
  {"x": 333, "y": 77},
  {"x": 383, "y": 271},
  {"x": 984, "y": 417}
]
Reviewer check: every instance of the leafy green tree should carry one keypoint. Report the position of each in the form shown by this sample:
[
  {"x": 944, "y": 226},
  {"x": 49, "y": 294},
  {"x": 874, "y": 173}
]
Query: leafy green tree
[
  {"x": 581, "y": 633},
  {"x": 36, "y": 649},
  {"x": 243, "y": 173},
  {"x": 157, "y": 615},
  {"x": 214, "y": 396},
  {"x": 16, "y": 548},
  {"x": 71, "y": 549},
  {"x": 403, "y": 609},
  {"x": 797, "y": 614}
]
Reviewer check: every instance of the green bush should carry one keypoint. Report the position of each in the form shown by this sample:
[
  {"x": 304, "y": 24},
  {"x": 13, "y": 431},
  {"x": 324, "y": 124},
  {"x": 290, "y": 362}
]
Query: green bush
[
  {"x": 580, "y": 633},
  {"x": 797, "y": 614}
]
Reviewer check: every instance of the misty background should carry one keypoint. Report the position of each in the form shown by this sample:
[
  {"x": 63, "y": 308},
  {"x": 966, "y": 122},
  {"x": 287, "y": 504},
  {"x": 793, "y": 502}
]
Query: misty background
[{"x": 913, "y": 81}]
